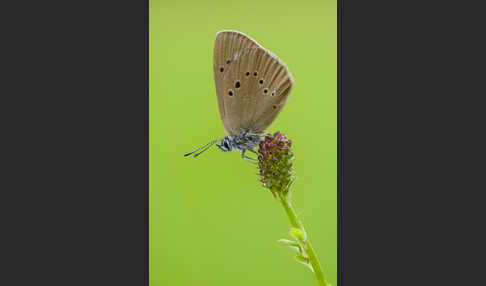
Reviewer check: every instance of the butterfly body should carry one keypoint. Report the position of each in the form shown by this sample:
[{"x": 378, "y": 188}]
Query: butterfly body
[
  {"x": 244, "y": 141},
  {"x": 252, "y": 87}
]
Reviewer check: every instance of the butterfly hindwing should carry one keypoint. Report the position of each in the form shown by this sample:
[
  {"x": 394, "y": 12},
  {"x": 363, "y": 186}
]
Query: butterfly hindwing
[{"x": 260, "y": 84}]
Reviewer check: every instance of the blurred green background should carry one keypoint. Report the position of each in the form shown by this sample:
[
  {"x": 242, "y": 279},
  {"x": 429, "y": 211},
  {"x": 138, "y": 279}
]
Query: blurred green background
[{"x": 211, "y": 222}]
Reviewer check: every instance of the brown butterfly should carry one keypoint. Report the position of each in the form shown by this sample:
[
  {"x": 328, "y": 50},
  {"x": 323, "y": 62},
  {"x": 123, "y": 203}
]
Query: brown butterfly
[{"x": 252, "y": 86}]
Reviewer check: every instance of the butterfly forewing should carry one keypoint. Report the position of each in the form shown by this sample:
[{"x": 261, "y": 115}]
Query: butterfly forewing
[{"x": 227, "y": 46}]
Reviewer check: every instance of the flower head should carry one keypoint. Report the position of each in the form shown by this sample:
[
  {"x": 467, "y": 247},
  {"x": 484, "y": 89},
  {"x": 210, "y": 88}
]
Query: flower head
[{"x": 275, "y": 162}]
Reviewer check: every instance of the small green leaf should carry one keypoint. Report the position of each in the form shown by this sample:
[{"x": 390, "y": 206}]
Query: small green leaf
[
  {"x": 304, "y": 260},
  {"x": 288, "y": 242},
  {"x": 298, "y": 234},
  {"x": 295, "y": 246}
]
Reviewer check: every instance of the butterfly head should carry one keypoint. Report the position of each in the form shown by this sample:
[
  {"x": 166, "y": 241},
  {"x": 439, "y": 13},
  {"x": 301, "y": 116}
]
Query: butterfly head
[{"x": 225, "y": 145}]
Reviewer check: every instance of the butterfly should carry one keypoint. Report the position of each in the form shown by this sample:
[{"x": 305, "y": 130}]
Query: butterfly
[{"x": 252, "y": 86}]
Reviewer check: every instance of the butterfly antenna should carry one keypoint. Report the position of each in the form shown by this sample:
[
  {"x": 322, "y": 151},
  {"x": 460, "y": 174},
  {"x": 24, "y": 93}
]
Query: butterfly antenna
[
  {"x": 199, "y": 153},
  {"x": 207, "y": 147}
]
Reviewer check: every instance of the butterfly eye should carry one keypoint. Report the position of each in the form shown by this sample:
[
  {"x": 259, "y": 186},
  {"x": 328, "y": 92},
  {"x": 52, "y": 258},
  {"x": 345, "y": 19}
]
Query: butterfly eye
[
  {"x": 221, "y": 69},
  {"x": 261, "y": 81},
  {"x": 228, "y": 61},
  {"x": 255, "y": 73},
  {"x": 237, "y": 84},
  {"x": 230, "y": 92},
  {"x": 265, "y": 90},
  {"x": 273, "y": 93},
  {"x": 247, "y": 73},
  {"x": 274, "y": 107}
]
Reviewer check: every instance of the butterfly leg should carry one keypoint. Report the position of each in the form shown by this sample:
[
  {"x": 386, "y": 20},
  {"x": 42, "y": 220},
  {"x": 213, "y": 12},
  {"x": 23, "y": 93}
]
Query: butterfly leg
[{"x": 249, "y": 159}]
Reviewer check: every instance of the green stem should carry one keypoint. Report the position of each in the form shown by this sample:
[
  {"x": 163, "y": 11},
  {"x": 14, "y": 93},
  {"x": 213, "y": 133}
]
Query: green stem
[{"x": 295, "y": 222}]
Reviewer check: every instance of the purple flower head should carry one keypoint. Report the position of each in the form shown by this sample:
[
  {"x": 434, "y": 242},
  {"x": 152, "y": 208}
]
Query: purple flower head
[{"x": 275, "y": 162}]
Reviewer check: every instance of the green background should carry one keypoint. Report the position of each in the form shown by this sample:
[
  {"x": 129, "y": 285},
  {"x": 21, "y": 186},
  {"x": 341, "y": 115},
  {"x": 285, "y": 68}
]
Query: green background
[{"x": 211, "y": 222}]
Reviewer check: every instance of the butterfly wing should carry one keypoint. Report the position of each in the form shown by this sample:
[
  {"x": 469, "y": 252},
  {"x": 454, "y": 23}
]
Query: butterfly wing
[
  {"x": 254, "y": 90},
  {"x": 228, "y": 45}
]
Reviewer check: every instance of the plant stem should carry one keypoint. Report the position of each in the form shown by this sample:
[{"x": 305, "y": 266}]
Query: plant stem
[{"x": 295, "y": 222}]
